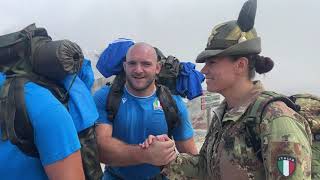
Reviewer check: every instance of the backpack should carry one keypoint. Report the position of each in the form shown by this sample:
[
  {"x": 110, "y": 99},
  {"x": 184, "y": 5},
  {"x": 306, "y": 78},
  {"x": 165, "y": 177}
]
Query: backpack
[
  {"x": 170, "y": 68},
  {"x": 165, "y": 84},
  {"x": 31, "y": 56},
  {"x": 307, "y": 105}
]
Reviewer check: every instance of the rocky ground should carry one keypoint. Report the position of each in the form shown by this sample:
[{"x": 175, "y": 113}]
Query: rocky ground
[
  {"x": 199, "y": 137},
  {"x": 199, "y": 124}
]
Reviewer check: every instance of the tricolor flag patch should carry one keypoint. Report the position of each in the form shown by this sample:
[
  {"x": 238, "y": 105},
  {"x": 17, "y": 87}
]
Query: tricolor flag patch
[
  {"x": 286, "y": 165},
  {"x": 157, "y": 105},
  {"x": 124, "y": 100}
]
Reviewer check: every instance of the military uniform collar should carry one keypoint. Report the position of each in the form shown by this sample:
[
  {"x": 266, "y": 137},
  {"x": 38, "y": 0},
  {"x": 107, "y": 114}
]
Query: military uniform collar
[{"x": 235, "y": 113}]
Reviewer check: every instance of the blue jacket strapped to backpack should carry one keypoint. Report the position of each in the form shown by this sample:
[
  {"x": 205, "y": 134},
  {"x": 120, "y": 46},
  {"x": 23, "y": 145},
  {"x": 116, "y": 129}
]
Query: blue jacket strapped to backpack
[
  {"x": 111, "y": 59},
  {"x": 189, "y": 81}
]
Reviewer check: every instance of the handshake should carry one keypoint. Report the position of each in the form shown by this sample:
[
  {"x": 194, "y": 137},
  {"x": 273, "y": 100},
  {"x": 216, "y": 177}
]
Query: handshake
[
  {"x": 160, "y": 150},
  {"x": 152, "y": 138}
]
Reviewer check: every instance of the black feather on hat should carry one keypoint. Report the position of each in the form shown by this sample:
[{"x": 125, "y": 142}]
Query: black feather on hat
[
  {"x": 247, "y": 15},
  {"x": 237, "y": 37}
]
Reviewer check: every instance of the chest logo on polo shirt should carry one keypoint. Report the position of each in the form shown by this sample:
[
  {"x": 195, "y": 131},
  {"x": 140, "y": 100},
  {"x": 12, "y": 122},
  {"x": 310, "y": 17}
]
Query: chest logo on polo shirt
[
  {"x": 124, "y": 100},
  {"x": 286, "y": 165},
  {"x": 157, "y": 105}
]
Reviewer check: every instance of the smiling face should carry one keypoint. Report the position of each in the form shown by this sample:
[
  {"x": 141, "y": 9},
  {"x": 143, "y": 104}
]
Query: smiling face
[
  {"x": 141, "y": 68},
  {"x": 220, "y": 74}
]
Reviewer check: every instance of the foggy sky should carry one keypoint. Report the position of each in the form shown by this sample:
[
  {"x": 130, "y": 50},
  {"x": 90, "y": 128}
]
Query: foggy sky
[{"x": 289, "y": 29}]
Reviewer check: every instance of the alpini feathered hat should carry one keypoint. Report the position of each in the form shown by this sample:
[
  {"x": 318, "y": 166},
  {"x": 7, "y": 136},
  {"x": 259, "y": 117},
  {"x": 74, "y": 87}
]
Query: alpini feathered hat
[{"x": 234, "y": 37}]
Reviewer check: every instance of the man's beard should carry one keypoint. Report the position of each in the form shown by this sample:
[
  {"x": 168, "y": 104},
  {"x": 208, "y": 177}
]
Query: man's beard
[{"x": 149, "y": 83}]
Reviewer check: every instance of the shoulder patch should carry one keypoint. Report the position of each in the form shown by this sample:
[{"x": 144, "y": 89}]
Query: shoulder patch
[{"x": 286, "y": 165}]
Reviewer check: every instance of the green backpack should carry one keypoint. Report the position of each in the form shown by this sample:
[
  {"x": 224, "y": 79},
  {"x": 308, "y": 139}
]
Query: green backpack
[
  {"x": 30, "y": 55},
  {"x": 307, "y": 105}
]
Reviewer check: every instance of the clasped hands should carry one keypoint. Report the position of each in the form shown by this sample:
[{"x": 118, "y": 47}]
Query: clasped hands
[{"x": 159, "y": 150}]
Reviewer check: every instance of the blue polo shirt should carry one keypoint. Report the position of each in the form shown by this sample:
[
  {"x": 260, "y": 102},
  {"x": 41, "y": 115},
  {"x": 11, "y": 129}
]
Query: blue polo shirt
[
  {"x": 55, "y": 136},
  {"x": 137, "y": 118}
]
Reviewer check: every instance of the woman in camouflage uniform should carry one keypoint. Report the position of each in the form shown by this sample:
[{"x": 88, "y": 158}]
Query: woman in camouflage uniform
[{"x": 231, "y": 60}]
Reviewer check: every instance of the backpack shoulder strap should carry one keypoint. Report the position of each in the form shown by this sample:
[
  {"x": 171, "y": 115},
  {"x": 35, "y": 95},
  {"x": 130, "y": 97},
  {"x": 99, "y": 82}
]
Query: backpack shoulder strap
[
  {"x": 264, "y": 99},
  {"x": 114, "y": 96},
  {"x": 58, "y": 91},
  {"x": 7, "y": 109},
  {"x": 18, "y": 128},
  {"x": 254, "y": 117},
  {"x": 170, "y": 108},
  {"x": 163, "y": 93}
]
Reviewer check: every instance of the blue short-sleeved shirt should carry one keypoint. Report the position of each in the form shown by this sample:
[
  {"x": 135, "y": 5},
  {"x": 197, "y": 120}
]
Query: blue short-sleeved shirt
[
  {"x": 137, "y": 118},
  {"x": 54, "y": 134}
]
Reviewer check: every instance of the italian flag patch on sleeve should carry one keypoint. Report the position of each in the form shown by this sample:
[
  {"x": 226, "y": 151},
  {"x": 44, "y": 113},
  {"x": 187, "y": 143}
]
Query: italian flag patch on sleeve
[{"x": 286, "y": 165}]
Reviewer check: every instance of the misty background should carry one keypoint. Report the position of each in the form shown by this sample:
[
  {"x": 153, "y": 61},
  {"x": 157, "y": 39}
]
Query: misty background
[{"x": 289, "y": 30}]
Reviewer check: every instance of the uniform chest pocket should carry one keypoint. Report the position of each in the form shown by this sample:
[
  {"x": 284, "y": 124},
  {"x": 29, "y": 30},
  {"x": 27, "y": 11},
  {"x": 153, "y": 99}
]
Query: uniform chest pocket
[
  {"x": 156, "y": 124},
  {"x": 238, "y": 151}
]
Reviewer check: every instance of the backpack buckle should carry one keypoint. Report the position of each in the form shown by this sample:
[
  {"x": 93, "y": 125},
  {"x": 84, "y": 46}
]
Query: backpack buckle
[
  {"x": 316, "y": 136},
  {"x": 250, "y": 120}
]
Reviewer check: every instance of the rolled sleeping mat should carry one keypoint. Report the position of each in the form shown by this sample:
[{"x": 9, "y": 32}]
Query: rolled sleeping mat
[{"x": 56, "y": 59}]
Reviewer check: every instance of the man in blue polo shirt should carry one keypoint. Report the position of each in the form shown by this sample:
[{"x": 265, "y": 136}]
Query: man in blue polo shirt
[{"x": 140, "y": 115}]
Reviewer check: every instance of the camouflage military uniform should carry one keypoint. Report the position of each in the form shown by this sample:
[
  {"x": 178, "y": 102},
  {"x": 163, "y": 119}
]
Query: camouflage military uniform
[{"x": 227, "y": 153}]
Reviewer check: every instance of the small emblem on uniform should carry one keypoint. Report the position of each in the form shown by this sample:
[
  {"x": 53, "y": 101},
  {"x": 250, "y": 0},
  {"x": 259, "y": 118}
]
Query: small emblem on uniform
[
  {"x": 286, "y": 165},
  {"x": 157, "y": 105},
  {"x": 124, "y": 100}
]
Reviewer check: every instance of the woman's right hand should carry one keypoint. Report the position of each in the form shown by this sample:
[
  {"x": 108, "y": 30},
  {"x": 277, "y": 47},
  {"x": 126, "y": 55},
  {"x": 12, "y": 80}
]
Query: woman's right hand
[{"x": 152, "y": 138}]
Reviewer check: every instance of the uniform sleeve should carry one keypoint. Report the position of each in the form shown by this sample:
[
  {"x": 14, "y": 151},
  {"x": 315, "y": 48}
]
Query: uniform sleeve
[
  {"x": 55, "y": 135},
  {"x": 286, "y": 143},
  {"x": 185, "y": 130},
  {"x": 186, "y": 166},
  {"x": 100, "y": 99}
]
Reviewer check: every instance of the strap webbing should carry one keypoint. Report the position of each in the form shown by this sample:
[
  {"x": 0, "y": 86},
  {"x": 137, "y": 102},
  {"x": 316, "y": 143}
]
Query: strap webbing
[
  {"x": 170, "y": 108},
  {"x": 255, "y": 113}
]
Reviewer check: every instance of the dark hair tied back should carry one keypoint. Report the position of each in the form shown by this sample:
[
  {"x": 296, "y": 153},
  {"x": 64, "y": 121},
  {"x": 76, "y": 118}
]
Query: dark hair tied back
[{"x": 262, "y": 64}]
